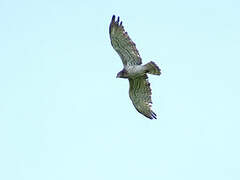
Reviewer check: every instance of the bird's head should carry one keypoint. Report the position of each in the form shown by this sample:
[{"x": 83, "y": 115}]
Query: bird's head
[{"x": 122, "y": 74}]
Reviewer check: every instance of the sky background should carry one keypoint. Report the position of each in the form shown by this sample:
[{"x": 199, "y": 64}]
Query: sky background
[{"x": 64, "y": 115}]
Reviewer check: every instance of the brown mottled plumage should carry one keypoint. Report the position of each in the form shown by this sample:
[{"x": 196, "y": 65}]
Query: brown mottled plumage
[{"x": 139, "y": 91}]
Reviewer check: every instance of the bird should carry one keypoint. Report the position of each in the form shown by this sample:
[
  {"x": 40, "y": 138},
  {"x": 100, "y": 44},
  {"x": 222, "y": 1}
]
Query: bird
[{"x": 139, "y": 87}]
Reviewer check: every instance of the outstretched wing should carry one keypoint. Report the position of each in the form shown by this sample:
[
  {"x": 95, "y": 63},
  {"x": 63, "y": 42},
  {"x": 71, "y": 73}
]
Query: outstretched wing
[
  {"x": 122, "y": 43},
  {"x": 140, "y": 94}
]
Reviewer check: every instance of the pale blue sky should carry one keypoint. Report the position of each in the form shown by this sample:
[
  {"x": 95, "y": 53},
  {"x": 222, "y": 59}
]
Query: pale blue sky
[{"x": 64, "y": 115}]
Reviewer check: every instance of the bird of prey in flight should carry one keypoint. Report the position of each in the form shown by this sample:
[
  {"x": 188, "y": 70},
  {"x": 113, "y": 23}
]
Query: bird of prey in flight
[{"x": 133, "y": 70}]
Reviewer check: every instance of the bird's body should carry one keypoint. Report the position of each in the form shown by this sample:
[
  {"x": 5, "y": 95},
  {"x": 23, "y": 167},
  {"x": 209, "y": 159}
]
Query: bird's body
[{"x": 133, "y": 70}]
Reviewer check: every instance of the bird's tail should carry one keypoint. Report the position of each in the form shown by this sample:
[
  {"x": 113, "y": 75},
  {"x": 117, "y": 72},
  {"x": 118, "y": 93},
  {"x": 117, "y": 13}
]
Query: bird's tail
[{"x": 152, "y": 68}]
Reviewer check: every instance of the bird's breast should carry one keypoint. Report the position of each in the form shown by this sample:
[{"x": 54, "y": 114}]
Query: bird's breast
[{"x": 134, "y": 71}]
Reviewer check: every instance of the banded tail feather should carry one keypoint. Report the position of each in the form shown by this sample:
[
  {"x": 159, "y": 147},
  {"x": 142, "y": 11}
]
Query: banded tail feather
[{"x": 152, "y": 68}]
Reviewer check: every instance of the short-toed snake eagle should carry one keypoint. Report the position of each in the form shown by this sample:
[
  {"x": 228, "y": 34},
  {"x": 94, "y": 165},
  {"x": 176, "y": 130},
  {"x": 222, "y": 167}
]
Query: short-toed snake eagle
[{"x": 139, "y": 91}]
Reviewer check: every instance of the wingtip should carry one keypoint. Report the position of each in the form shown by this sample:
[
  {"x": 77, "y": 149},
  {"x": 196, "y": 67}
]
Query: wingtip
[
  {"x": 116, "y": 21},
  {"x": 153, "y": 115},
  {"x": 113, "y": 18},
  {"x": 112, "y": 23}
]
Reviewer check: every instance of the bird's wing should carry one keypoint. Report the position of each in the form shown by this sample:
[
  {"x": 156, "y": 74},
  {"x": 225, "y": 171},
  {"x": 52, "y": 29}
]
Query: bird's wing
[
  {"x": 140, "y": 94},
  {"x": 122, "y": 43}
]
